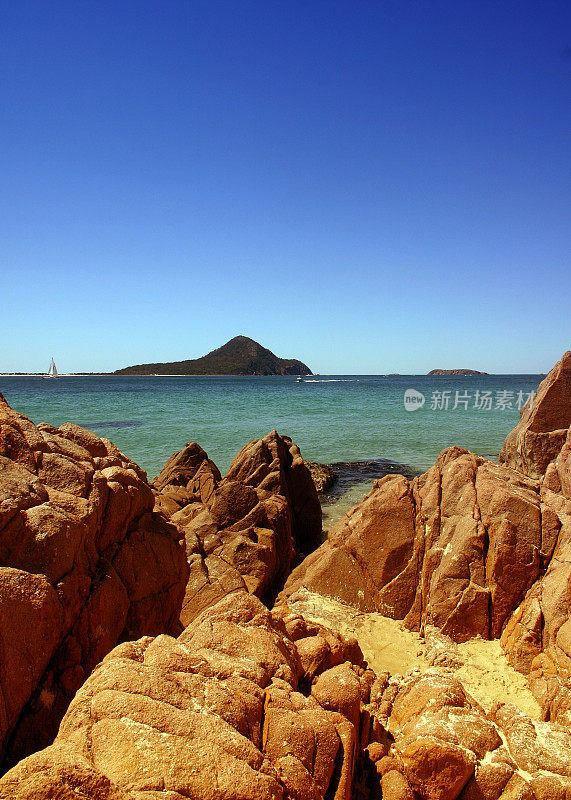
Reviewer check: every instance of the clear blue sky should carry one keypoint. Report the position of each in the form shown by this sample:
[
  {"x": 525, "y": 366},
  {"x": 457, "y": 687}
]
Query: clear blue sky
[{"x": 368, "y": 186}]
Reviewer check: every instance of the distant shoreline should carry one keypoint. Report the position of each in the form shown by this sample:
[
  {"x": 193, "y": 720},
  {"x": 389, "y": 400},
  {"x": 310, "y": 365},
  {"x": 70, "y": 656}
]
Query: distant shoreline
[
  {"x": 225, "y": 375},
  {"x": 115, "y": 375}
]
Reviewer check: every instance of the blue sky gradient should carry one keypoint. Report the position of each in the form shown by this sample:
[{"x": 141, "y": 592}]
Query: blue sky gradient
[{"x": 371, "y": 187}]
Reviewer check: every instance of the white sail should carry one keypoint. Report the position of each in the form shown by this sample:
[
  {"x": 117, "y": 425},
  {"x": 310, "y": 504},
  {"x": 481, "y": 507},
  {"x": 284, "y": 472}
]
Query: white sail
[{"x": 52, "y": 371}]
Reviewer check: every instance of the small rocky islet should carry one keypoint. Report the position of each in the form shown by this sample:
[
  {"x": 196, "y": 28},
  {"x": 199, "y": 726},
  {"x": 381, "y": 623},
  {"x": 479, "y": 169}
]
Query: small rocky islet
[
  {"x": 193, "y": 637},
  {"x": 456, "y": 372}
]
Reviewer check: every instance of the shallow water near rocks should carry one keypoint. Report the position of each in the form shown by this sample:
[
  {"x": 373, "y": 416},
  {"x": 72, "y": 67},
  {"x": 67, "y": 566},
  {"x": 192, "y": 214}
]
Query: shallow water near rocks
[{"x": 354, "y": 481}]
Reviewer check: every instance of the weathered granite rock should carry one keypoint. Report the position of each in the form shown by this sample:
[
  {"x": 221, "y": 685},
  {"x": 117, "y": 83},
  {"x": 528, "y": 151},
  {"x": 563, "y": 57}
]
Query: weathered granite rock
[
  {"x": 274, "y": 464},
  {"x": 241, "y": 530},
  {"x": 187, "y": 475},
  {"x": 535, "y": 746},
  {"x": 537, "y": 637},
  {"x": 544, "y": 423},
  {"x": 471, "y": 548},
  {"x": 84, "y": 563},
  {"x": 558, "y": 473},
  {"x": 214, "y": 714},
  {"x": 319, "y": 649},
  {"x": 446, "y": 747},
  {"x": 456, "y": 548},
  {"x": 396, "y": 787},
  {"x": 323, "y": 476}
]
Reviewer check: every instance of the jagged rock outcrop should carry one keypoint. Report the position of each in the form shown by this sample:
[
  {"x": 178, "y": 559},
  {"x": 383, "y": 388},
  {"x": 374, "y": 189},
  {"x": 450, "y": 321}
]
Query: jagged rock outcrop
[
  {"x": 558, "y": 473},
  {"x": 85, "y": 562},
  {"x": 242, "y": 531},
  {"x": 457, "y": 548},
  {"x": 471, "y": 547},
  {"x": 217, "y": 713},
  {"x": 274, "y": 464},
  {"x": 544, "y": 423}
]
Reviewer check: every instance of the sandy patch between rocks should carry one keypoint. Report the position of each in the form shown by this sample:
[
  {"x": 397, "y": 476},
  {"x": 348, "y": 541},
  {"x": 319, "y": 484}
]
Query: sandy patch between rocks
[
  {"x": 489, "y": 678},
  {"x": 389, "y": 647}
]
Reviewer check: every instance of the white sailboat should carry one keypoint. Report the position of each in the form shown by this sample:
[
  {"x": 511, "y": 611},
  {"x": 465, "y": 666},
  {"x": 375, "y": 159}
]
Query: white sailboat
[{"x": 52, "y": 371}]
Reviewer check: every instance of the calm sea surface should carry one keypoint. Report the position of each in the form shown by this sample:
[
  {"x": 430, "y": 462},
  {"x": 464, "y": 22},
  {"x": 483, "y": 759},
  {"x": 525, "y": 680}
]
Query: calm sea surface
[{"x": 332, "y": 418}]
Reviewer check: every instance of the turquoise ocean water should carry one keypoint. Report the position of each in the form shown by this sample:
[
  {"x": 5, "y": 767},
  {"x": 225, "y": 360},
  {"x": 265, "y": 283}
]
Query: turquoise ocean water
[{"x": 332, "y": 418}]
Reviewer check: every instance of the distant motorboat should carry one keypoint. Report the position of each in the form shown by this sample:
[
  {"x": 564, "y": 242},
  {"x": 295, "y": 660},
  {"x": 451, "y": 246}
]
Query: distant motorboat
[
  {"x": 299, "y": 379},
  {"x": 52, "y": 371}
]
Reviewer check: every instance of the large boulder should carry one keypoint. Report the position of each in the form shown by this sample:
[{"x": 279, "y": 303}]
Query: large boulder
[
  {"x": 176, "y": 482},
  {"x": 242, "y": 531},
  {"x": 274, "y": 464},
  {"x": 216, "y": 714},
  {"x": 470, "y": 548},
  {"x": 457, "y": 548},
  {"x": 544, "y": 423},
  {"x": 85, "y": 562}
]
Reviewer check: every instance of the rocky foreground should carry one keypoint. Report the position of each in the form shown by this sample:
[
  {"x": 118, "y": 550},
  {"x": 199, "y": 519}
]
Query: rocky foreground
[{"x": 157, "y": 641}]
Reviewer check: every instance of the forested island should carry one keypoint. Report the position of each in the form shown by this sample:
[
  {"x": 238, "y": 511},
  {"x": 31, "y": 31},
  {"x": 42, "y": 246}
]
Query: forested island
[{"x": 240, "y": 356}]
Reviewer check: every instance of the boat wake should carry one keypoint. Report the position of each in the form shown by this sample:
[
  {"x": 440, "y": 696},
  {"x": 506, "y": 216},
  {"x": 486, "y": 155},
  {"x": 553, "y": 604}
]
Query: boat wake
[{"x": 330, "y": 380}]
